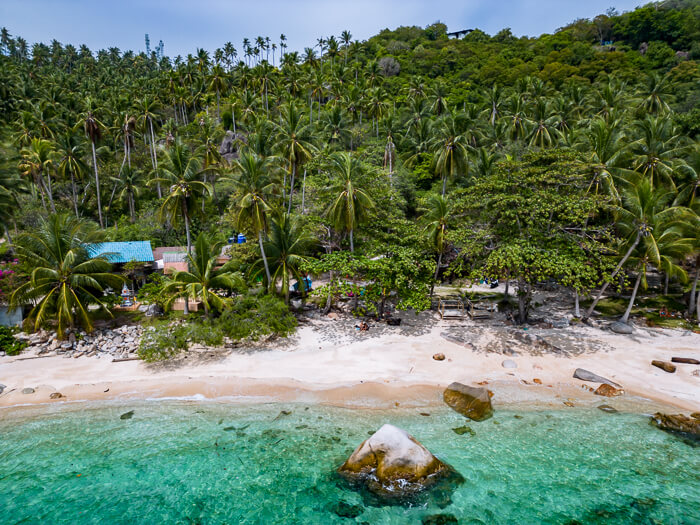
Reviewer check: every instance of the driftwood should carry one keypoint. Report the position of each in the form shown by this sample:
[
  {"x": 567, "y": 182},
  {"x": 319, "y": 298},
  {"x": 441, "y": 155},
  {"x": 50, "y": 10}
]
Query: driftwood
[
  {"x": 34, "y": 357},
  {"x": 121, "y": 359}
]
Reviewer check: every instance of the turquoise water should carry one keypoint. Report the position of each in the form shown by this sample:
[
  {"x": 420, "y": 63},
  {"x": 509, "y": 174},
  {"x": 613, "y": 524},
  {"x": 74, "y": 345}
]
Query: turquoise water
[{"x": 193, "y": 462}]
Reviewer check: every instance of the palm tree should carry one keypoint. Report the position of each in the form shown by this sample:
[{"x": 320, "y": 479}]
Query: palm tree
[
  {"x": 346, "y": 38},
  {"x": 293, "y": 142},
  {"x": 352, "y": 202},
  {"x": 450, "y": 148},
  {"x": 203, "y": 278},
  {"x": 251, "y": 206},
  {"x": 656, "y": 95},
  {"x": 663, "y": 241},
  {"x": 286, "y": 249},
  {"x": 130, "y": 181},
  {"x": 607, "y": 151},
  {"x": 37, "y": 161},
  {"x": 657, "y": 152},
  {"x": 64, "y": 280},
  {"x": 70, "y": 163},
  {"x": 181, "y": 170},
  {"x": 147, "y": 108},
  {"x": 93, "y": 129},
  {"x": 437, "y": 215}
]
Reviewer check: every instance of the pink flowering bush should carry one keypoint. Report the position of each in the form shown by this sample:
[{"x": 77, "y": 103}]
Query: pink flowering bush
[{"x": 10, "y": 278}]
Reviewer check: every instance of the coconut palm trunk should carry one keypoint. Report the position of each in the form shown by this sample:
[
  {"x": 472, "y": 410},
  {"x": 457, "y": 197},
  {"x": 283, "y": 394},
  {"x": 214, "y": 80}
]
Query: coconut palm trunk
[
  {"x": 435, "y": 276},
  {"x": 155, "y": 156},
  {"x": 693, "y": 292},
  {"x": 186, "y": 216},
  {"x": 264, "y": 258},
  {"x": 626, "y": 315},
  {"x": 75, "y": 194},
  {"x": 303, "y": 192},
  {"x": 612, "y": 276},
  {"x": 291, "y": 188},
  {"x": 97, "y": 184},
  {"x": 352, "y": 243}
]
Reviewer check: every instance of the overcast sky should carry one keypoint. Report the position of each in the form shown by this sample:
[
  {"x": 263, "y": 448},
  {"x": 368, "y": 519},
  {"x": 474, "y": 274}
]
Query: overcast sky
[{"x": 185, "y": 25}]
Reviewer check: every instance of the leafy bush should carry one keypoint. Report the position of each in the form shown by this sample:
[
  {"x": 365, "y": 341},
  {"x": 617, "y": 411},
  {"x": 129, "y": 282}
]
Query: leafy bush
[
  {"x": 8, "y": 343},
  {"x": 251, "y": 317},
  {"x": 153, "y": 292}
]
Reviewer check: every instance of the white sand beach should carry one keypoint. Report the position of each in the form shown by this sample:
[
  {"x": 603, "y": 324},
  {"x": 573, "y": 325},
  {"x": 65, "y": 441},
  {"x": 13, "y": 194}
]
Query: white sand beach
[{"x": 329, "y": 361}]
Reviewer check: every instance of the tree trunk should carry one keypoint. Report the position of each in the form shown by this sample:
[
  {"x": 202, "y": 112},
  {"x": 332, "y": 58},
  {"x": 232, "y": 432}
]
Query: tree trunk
[
  {"x": 50, "y": 193},
  {"x": 352, "y": 244},
  {"x": 132, "y": 206},
  {"x": 186, "y": 311},
  {"x": 435, "y": 276},
  {"x": 97, "y": 185},
  {"x": 218, "y": 113},
  {"x": 523, "y": 300},
  {"x": 75, "y": 195},
  {"x": 693, "y": 292},
  {"x": 303, "y": 192},
  {"x": 577, "y": 308},
  {"x": 7, "y": 236},
  {"x": 588, "y": 312},
  {"x": 329, "y": 299},
  {"x": 444, "y": 185},
  {"x": 626, "y": 316},
  {"x": 291, "y": 187},
  {"x": 264, "y": 258},
  {"x": 155, "y": 157},
  {"x": 666, "y": 284}
]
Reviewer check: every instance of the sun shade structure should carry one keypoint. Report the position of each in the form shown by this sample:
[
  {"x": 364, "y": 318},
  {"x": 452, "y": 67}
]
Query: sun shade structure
[{"x": 122, "y": 252}]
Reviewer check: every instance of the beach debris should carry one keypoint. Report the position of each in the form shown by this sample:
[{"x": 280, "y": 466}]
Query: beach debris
[
  {"x": 686, "y": 425},
  {"x": 537, "y": 381},
  {"x": 127, "y": 415},
  {"x": 664, "y": 365},
  {"x": 28, "y": 390},
  {"x": 483, "y": 383},
  {"x": 685, "y": 360},
  {"x": 621, "y": 328},
  {"x": 440, "y": 519},
  {"x": 608, "y": 391},
  {"x": 425, "y": 414},
  {"x": 471, "y": 402},
  {"x": 2, "y": 388},
  {"x": 346, "y": 510},
  {"x": 585, "y": 375},
  {"x": 509, "y": 363},
  {"x": 106, "y": 390},
  {"x": 282, "y": 413},
  {"x": 607, "y": 408},
  {"x": 393, "y": 464},
  {"x": 460, "y": 431},
  {"x": 56, "y": 395},
  {"x": 569, "y": 404},
  {"x": 439, "y": 357}
]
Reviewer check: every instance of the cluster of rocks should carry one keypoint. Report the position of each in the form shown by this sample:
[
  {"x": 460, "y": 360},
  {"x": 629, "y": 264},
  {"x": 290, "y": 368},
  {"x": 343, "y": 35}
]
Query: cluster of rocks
[{"x": 122, "y": 342}]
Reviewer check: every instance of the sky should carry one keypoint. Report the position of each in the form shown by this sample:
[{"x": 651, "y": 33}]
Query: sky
[{"x": 185, "y": 25}]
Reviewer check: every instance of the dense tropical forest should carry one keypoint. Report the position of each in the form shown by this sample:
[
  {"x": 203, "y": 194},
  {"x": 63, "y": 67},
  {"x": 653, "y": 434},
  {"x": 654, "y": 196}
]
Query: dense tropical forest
[{"x": 406, "y": 160}]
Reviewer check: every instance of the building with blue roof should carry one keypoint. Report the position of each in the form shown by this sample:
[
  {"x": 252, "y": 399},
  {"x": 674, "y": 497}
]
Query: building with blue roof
[{"x": 122, "y": 252}]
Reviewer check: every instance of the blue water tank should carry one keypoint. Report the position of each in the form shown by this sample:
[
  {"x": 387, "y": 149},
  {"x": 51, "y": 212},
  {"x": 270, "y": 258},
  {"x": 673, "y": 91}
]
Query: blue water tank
[{"x": 241, "y": 238}]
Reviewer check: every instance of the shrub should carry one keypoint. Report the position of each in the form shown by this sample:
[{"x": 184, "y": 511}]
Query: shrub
[{"x": 8, "y": 343}]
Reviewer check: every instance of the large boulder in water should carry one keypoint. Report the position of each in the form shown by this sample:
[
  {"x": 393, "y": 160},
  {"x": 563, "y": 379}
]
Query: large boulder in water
[
  {"x": 686, "y": 425},
  {"x": 471, "y": 402},
  {"x": 392, "y": 463}
]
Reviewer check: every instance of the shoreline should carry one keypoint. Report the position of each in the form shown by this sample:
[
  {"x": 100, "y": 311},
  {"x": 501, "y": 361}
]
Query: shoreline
[{"x": 328, "y": 362}]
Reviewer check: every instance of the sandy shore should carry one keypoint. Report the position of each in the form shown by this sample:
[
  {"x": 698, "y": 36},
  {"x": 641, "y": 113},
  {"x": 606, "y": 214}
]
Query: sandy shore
[{"x": 327, "y": 361}]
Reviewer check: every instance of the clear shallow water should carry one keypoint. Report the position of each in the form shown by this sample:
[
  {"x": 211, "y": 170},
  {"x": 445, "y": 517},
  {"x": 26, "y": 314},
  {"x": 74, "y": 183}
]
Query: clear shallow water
[{"x": 182, "y": 462}]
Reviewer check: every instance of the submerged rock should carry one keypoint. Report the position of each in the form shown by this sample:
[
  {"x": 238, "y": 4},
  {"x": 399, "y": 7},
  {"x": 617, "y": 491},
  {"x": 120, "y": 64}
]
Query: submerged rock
[
  {"x": 621, "y": 328},
  {"x": 393, "y": 464},
  {"x": 608, "y": 409},
  {"x": 127, "y": 415},
  {"x": 585, "y": 375},
  {"x": 665, "y": 366},
  {"x": 440, "y": 519},
  {"x": 608, "y": 391},
  {"x": 346, "y": 510},
  {"x": 460, "y": 431},
  {"x": 28, "y": 390},
  {"x": 474, "y": 403},
  {"x": 689, "y": 426},
  {"x": 56, "y": 395}
]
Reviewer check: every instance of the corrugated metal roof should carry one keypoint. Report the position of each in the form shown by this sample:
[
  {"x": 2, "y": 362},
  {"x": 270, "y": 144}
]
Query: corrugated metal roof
[
  {"x": 158, "y": 252},
  {"x": 174, "y": 257},
  {"x": 122, "y": 252}
]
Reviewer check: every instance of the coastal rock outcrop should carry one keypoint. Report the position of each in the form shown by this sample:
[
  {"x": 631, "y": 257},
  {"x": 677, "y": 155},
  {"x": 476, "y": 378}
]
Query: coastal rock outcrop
[
  {"x": 686, "y": 425},
  {"x": 608, "y": 391},
  {"x": 392, "y": 463},
  {"x": 585, "y": 375},
  {"x": 471, "y": 402},
  {"x": 621, "y": 328}
]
